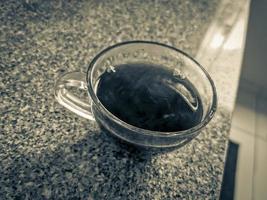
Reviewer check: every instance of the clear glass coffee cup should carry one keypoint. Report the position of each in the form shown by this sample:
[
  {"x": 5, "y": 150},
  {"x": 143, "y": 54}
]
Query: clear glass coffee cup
[{"x": 68, "y": 86}]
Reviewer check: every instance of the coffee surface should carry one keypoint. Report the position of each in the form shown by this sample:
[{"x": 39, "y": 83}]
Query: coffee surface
[{"x": 150, "y": 97}]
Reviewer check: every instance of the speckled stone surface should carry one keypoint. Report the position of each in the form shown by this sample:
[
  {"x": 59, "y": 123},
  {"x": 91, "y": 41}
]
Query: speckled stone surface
[{"x": 46, "y": 152}]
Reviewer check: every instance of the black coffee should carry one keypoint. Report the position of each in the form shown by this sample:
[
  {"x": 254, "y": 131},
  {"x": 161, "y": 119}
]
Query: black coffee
[{"x": 150, "y": 97}]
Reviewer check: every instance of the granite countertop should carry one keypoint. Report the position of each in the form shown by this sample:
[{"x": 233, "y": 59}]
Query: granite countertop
[{"x": 46, "y": 152}]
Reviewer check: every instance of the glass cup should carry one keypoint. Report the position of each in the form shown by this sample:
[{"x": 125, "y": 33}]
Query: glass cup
[{"x": 181, "y": 65}]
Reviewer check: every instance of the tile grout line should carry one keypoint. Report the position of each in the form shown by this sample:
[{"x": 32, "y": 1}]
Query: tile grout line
[
  {"x": 243, "y": 130},
  {"x": 254, "y": 147},
  {"x": 248, "y": 132}
]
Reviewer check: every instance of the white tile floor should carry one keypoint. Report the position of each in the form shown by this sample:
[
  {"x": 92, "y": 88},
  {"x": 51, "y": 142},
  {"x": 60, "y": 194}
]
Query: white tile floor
[
  {"x": 249, "y": 130},
  {"x": 244, "y": 116},
  {"x": 261, "y": 120},
  {"x": 260, "y": 167},
  {"x": 244, "y": 170}
]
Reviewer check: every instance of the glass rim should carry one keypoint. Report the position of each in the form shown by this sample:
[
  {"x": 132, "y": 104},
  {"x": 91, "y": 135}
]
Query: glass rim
[{"x": 187, "y": 132}]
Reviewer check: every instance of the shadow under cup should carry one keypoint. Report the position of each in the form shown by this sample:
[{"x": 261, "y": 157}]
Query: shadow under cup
[{"x": 179, "y": 63}]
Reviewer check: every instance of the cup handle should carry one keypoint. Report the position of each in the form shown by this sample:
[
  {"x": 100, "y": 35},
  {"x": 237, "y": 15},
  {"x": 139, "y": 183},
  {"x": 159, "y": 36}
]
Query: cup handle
[{"x": 68, "y": 99}]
